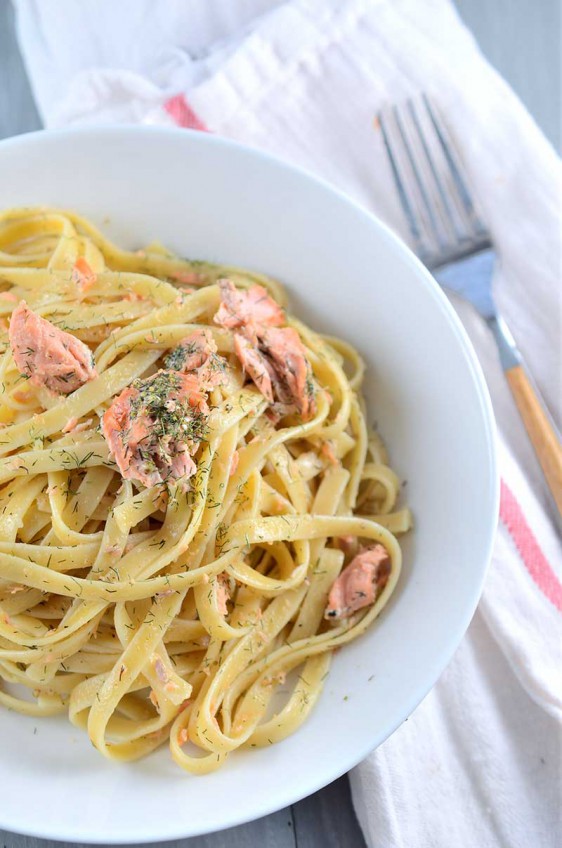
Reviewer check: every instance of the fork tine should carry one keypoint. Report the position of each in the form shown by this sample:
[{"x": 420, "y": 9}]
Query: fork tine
[
  {"x": 419, "y": 213},
  {"x": 443, "y": 188},
  {"x": 429, "y": 206},
  {"x": 405, "y": 201},
  {"x": 445, "y": 199},
  {"x": 456, "y": 169},
  {"x": 431, "y": 186},
  {"x": 429, "y": 220}
]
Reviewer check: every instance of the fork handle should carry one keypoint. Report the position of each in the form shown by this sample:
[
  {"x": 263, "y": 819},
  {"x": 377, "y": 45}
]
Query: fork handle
[
  {"x": 539, "y": 428},
  {"x": 532, "y": 408}
]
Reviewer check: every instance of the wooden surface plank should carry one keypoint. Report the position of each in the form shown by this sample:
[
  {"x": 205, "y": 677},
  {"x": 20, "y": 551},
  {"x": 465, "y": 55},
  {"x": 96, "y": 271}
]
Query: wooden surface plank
[
  {"x": 275, "y": 831},
  {"x": 327, "y": 820},
  {"x": 521, "y": 38},
  {"x": 323, "y": 820},
  {"x": 17, "y": 108}
]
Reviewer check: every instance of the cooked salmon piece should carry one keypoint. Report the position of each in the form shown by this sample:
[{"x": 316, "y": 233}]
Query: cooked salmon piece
[
  {"x": 223, "y": 592},
  {"x": 197, "y": 354},
  {"x": 358, "y": 584},
  {"x": 247, "y": 308},
  {"x": 188, "y": 278},
  {"x": 255, "y": 364},
  {"x": 48, "y": 356},
  {"x": 74, "y": 426},
  {"x": 347, "y": 544},
  {"x": 234, "y": 463},
  {"x": 272, "y": 355},
  {"x": 83, "y": 275},
  {"x": 276, "y": 361},
  {"x": 154, "y": 427},
  {"x": 287, "y": 355}
]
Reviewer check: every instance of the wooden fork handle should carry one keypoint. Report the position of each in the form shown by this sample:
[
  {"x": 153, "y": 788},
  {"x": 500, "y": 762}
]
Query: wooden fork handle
[
  {"x": 540, "y": 429},
  {"x": 538, "y": 423}
]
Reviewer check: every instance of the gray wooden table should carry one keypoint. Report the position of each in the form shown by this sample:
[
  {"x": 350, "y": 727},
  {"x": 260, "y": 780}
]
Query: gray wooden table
[{"x": 522, "y": 39}]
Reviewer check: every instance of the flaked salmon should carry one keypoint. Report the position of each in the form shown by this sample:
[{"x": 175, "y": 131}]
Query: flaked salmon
[
  {"x": 273, "y": 356},
  {"x": 278, "y": 365},
  {"x": 359, "y": 583},
  {"x": 197, "y": 354},
  {"x": 245, "y": 308},
  {"x": 83, "y": 275},
  {"x": 154, "y": 427},
  {"x": 223, "y": 592},
  {"x": 46, "y": 355},
  {"x": 287, "y": 354},
  {"x": 255, "y": 365}
]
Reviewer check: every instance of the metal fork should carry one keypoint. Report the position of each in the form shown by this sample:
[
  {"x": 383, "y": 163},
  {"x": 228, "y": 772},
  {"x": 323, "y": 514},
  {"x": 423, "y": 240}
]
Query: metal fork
[{"x": 453, "y": 242}]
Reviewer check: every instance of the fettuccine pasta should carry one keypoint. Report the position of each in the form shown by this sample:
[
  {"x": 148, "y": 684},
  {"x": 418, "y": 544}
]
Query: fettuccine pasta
[{"x": 193, "y": 512}]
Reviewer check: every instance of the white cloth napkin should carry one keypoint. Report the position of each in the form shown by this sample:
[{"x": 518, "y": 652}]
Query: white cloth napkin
[{"x": 478, "y": 763}]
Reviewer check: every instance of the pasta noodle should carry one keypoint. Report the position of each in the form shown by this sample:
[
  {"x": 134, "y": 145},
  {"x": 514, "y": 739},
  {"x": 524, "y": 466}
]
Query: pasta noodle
[{"x": 178, "y": 605}]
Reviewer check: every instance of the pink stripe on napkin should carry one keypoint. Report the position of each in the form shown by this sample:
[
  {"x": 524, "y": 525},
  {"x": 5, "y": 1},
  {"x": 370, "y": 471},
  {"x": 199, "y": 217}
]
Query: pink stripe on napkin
[
  {"x": 179, "y": 109},
  {"x": 529, "y": 549}
]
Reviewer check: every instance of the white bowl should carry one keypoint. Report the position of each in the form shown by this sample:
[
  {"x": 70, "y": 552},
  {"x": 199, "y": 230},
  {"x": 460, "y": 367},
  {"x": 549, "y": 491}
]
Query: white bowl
[{"x": 347, "y": 274}]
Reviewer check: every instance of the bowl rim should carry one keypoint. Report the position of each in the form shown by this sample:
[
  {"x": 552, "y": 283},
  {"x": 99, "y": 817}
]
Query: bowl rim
[{"x": 399, "y": 247}]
